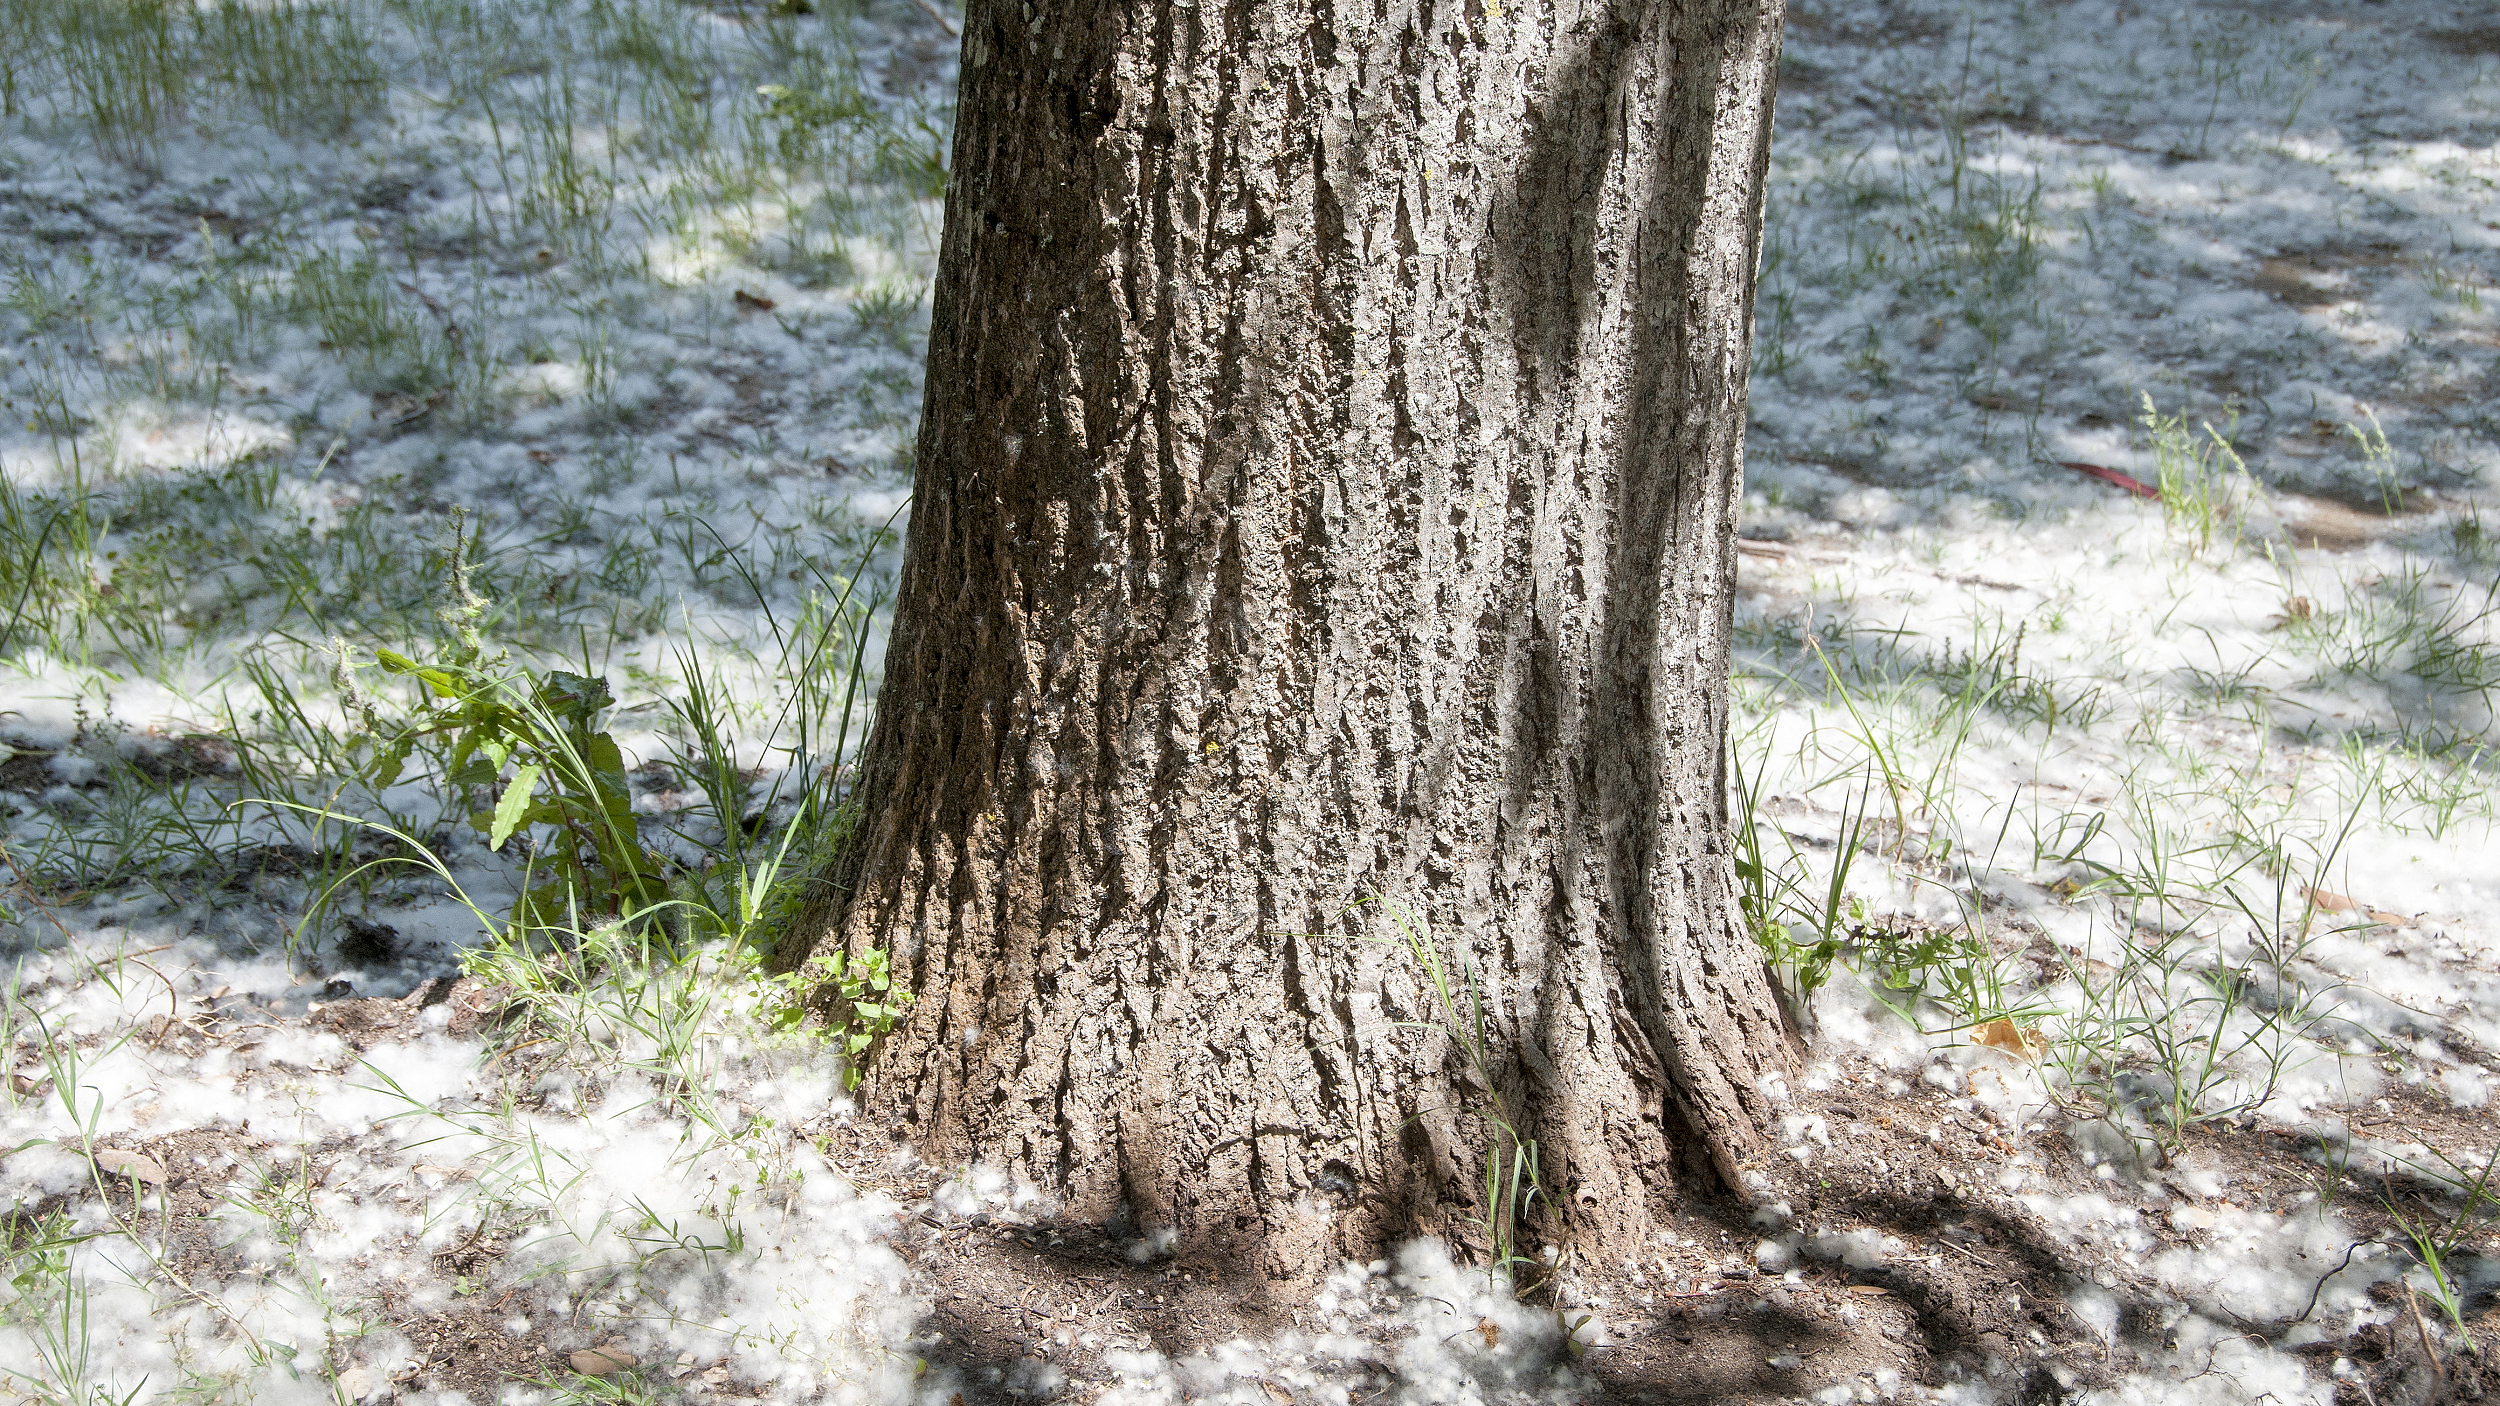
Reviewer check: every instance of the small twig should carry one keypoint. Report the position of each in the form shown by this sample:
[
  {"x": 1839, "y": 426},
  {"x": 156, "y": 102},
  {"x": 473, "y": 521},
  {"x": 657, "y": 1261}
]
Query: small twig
[
  {"x": 466, "y": 1245},
  {"x": 173, "y": 998},
  {"x": 509, "y": 1049},
  {"x": 2423, "y": 1330},
  {"x": 940, "y": 16},
  {"x": 1974, "y": 1256}
]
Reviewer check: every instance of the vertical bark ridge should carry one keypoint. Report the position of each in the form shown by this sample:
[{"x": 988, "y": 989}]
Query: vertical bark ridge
[{"x": 1326, "y": 490}]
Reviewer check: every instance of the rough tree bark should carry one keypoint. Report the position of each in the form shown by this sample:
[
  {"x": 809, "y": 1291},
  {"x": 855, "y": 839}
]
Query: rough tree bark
[{"x": 1327, "y": 483}]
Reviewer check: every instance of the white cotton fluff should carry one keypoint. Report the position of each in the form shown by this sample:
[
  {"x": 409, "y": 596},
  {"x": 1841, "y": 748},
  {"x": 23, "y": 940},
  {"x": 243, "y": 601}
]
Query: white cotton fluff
[
  {"x": 2466, "y": 1086},
  {"x": 1862, "y": 1248},
  {"x": 2261, "y": 1266}
]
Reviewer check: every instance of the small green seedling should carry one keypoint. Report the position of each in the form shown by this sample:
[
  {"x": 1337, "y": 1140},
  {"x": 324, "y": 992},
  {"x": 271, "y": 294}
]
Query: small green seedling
[{"x": 872, "y": 1005}]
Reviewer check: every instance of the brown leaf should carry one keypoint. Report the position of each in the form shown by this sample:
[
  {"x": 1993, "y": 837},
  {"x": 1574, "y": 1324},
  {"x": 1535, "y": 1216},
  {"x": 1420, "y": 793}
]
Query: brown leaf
[
  {"x": 2022, "y": 1042},
  {"x": 1491, "y": 1331},
  {"x": 2330, "y": 900},
  {"x": 601, "y": 1361},
  {"x": 2393, "y": 920},
  {"x": 138, "y": 1166},
  {"x": 757, "y": 301},
  {"x": 2110, "y": 476},
  {"x": 1276, "y": 1392}
]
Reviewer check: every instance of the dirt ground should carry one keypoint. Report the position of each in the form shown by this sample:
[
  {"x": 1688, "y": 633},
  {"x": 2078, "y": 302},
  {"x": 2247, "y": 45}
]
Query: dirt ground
[
  {"x": 1982, "y": 1292},
  {"x": 1976, "y": 1286}
]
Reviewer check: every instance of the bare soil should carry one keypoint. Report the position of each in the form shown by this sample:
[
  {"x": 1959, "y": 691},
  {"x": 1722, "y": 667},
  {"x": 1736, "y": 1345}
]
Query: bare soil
[{"x": 1025, "y": 1309}]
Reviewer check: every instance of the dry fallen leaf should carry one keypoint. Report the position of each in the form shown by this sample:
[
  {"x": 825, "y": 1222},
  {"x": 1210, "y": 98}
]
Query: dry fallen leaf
[
  {"x": 1872, "y": 1291},
  {"x": 2002, "y": 1034},
  {"x": 601, "y": 1361},
  {"x": 1491, "y": 1330},
  {"x": 757, "y": 301},
  {"x": 2330, "y": 900},
  {"x": 2393, "y": 920},
  {"x": 136, "y": 1165},
  {"x": 2113, "y": 477}
]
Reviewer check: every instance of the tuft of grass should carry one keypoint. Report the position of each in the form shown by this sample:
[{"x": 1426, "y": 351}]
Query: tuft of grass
[
  {"x": 1800, "y": 939},
  {"x": 1512, "y": 1184},
  {"x": 2439, "y": 1243},
  {"x": 2201, "y": 478},
  {"x": 301, "y": 66},
  {"x": 2413, "y": 621},
  {"x": 50, "y": 1306}
]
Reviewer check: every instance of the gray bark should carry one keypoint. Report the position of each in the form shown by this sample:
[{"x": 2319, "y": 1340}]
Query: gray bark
[{"x": 1326, "y": 489}]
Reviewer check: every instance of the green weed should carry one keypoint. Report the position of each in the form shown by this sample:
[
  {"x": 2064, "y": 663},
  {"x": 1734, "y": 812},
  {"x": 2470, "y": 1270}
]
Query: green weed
[
  {"x": 2438, "y": 1244},
  {"x": 2201, "y": 478},
  {"x": 1954, "y": 968},
  {"x": 871, "y": 1006},
  {"x": 1512, "y": 1186},
  {"x": 1799, "y": 939}
]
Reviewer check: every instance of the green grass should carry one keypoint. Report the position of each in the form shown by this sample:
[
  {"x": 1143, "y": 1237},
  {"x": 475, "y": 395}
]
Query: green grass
[
  {"x": 2199, "y": 1002},
  {"x": 127, "y": 71},
  {"x": 2204, "y": 485}
]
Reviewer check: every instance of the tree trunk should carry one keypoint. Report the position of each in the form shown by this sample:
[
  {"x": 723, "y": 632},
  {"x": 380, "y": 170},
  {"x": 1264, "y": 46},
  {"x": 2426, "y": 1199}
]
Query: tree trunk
[{"x": 1327, "y": 489}]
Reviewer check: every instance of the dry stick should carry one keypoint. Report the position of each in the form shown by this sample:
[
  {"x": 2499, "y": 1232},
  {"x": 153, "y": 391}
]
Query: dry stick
[
  {"x": 513, "y": 1049},
  {"x": 466, "y": 1245},
  {"x": 940, "y": 16},
  {"x": 1974, "y": 1255},
  {"x": 2423, "y": 1330},
  {"x": 173, "y": 998}
]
